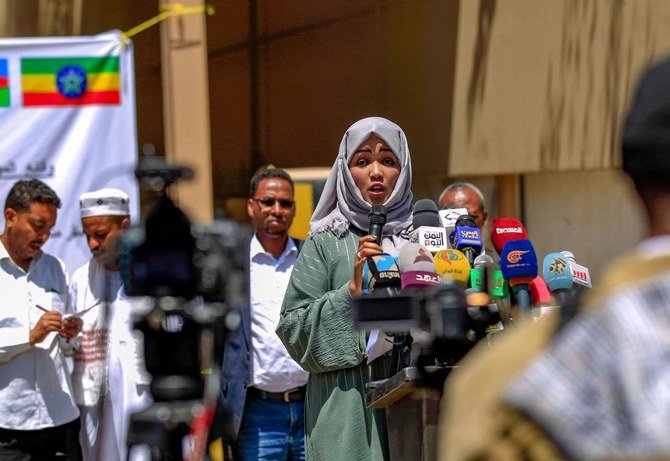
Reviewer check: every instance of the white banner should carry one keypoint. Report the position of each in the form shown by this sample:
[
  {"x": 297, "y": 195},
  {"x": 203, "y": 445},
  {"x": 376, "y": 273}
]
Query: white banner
[{"x": 67, "y": 117}]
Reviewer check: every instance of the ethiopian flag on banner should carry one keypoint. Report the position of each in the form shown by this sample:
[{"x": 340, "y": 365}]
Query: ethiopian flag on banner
[{"x": 70, "y": 81}]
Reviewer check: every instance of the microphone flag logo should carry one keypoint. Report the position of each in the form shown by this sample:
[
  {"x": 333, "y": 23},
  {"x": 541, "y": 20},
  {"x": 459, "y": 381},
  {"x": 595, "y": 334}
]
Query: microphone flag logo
[
  {"x": 450, "y": 255},
  {"x": 515, "y": 256}
]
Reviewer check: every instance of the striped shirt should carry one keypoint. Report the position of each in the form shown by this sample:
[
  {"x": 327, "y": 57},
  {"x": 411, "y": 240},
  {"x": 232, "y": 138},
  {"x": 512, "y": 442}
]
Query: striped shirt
[{"x": 603, "y": 386}]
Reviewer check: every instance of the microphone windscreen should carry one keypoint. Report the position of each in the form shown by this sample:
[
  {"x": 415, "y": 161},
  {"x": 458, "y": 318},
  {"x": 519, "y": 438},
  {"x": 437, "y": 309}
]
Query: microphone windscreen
[
  {"x": 425, "y": 214},
  {"x": 504, "y": 230},
  {"x": 452, "y": 265},
  {"x": 466, "y": 221},
  {"x": 556, "y": 272},
  {"x": 568, "y": 254},
  {"x": 377, "y": 215},
  {"x": 539, "y": 293},
  {"x": 518, "y": 262},
  {"x": 380, "y": 271},
  {"x": 415, "y": 257}
]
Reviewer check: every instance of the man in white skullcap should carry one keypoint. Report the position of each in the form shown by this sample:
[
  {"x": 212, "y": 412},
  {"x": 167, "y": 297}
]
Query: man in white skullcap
[{"x": 109, "y": 378}]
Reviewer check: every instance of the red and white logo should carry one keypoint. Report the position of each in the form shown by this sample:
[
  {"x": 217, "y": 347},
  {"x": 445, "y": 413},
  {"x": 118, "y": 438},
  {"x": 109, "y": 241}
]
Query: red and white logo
[
  {"x": 509, "y": 230},
  {"x": 580, "y": 275}
]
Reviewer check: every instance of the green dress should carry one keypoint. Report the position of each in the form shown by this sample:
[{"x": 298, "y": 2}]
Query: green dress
[{"x": 317, "y": 327}]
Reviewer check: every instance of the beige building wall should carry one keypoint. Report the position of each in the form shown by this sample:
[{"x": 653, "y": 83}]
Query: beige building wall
[
  {"x": 541, "y": 85},
  {"x": 595, "y": 214}
]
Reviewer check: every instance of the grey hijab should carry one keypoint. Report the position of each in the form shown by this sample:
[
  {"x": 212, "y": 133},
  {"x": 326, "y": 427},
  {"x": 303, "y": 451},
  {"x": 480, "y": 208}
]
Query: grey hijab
[{"x": 342, "y": 204}]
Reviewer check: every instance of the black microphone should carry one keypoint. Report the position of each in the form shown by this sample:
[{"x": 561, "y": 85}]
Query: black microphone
[
  {"x": 425, "y": 214},
  {"x": 465, "y": 220},
  {"x": 427, "y": 224},
  {"x": 377, "y": 219}
]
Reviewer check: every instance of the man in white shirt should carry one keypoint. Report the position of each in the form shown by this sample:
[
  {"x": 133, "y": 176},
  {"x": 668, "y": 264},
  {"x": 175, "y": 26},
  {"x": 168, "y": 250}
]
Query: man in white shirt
[
  {"x": 38, "y": 415},
  {"x": 109, "y": 378},
  {"x": 263, "y": 385}
]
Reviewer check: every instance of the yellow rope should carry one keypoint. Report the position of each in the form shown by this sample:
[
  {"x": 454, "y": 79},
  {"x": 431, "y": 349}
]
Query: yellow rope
[{"x": 167, "y": 11}]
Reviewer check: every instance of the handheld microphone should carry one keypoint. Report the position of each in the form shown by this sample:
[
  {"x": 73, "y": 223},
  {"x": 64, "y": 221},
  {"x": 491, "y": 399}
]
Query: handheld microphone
[
  {"x": 558, "y": 275},
  {"x": 467, "y": 239},
  {"x": 581, "y": 280},
  {"x": 452, "y": 265},
  {"x": 504, "y": 230},
  {"x": 478, "y": 287},
  {"x": 478, "y": 279},
  {"x": 518, "y": 262},
  {"x": 377, "y": 219},
  {"x": 486, "y": 276},
  {"x": 380, "y": 272},
  {"x": 428, "y": 231},
  {"x": 417, "y": 268}
]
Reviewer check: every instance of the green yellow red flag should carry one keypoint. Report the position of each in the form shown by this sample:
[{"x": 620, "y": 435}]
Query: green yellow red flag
[{"x": 73, "y": 81}]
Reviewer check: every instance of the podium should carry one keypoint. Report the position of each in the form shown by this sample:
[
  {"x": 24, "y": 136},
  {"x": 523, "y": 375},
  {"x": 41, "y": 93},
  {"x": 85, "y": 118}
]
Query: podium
[{"x": 411, "y": 413}]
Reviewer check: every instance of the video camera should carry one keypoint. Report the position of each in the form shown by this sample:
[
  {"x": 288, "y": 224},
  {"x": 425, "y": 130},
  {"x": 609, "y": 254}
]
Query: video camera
[
  {"x": 196, "y": 276},
  {"x": 168, "y": 256},
  {"x": 438, "y": 319}
]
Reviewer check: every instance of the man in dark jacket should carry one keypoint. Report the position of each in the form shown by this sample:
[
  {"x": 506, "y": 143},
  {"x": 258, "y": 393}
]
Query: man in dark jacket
[{"x": 263, "y": 386}]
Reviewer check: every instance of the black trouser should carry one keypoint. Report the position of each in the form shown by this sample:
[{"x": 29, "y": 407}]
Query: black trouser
[{"x": 53, "y": 443}]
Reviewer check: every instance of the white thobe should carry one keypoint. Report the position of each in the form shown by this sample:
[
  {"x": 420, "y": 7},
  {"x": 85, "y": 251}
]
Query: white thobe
[{"x": 109, "y": 363}]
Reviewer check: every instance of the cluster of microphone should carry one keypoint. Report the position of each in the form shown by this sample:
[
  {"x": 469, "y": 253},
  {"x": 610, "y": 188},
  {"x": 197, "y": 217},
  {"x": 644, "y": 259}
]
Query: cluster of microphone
[{"x": 446, "y": 246}]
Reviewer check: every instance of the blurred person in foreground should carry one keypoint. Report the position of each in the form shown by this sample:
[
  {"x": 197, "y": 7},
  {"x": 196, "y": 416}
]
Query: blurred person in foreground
[
  {"x": 598, "y": 386},
  {"x": 373, "y": 167},
  {"x": 109, "y": 377},
  {"x": 38, "y": 415},
  {"x": 260, "y": 382}
]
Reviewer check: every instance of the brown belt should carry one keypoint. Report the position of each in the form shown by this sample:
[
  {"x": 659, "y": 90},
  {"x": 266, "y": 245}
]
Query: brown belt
[{"x": 292, "y": 395}]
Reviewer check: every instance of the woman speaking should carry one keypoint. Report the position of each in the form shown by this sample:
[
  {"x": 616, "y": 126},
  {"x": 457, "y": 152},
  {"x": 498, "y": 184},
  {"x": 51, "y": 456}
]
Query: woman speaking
[{"x": 372, "y": 167}]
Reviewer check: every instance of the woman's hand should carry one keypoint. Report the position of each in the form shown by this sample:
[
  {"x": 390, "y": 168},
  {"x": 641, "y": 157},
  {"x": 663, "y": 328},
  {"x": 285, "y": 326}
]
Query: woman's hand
[{"x": 366, "y": 247}]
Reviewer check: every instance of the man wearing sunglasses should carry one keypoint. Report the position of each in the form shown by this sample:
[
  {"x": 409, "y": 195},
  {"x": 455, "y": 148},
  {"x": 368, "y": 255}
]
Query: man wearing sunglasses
[{"x": 263, "y": 386}]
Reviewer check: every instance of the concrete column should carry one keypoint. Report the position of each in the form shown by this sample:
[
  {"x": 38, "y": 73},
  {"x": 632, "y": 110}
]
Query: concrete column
[
  {"x": 508, "y": 196},
  {"x": 186, "y": 108}
]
